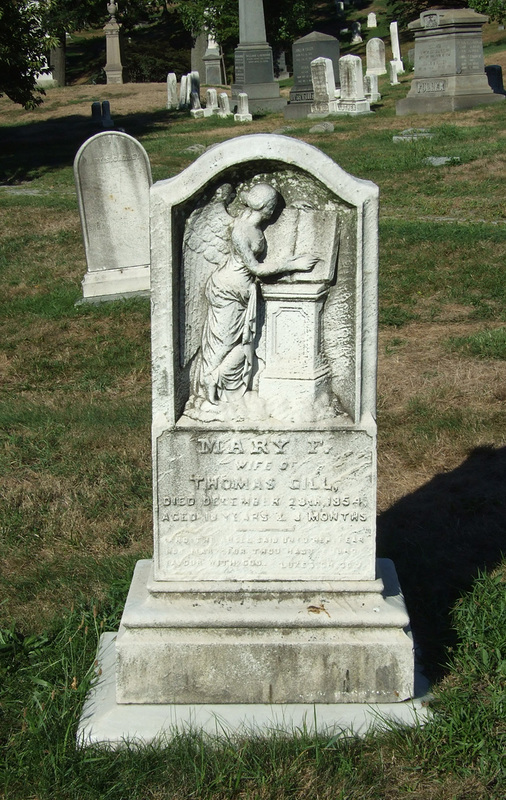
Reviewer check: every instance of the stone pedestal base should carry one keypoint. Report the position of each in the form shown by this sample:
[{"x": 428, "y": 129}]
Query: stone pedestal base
[
  {"x": 343, "y": 661},
  {"x": 295, "y": 644},
  {"x": 109, "y": 284},
  {"x": 436, "y": 96},
  {"x": 297, "y": 110},
  {"x": 261, "y": 96},
  {"x": 104, "y": 721},
  {"x": 337, "y": 107},
  {"x": 353, "y": 107}
]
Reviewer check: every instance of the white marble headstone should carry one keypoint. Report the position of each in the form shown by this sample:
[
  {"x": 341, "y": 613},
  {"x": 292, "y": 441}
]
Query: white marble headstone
[
  {"x": 375, "y": 57},
  {"x": 224, "y": 105},
  {"x": 113, "y": 176},
  {"x": 264, "y": 586},
  {"x": 324, "y": 86},
  {"x": 242, "y": 114},
  {"x": 172, "y": 99},
  {"x": 396, "y": 48}
]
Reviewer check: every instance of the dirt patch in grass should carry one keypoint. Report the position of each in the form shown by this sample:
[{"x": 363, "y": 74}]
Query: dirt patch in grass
[
  {"x": 486, "y": 169},
  {"x": 34, "y": 221},
  {"x": 65, "y": 102},
  {"x": 416, "y": 372}
]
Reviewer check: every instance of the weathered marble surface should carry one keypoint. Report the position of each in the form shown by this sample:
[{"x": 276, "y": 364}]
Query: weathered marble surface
[
  {"x": 264, "y": 586},
  {"x": 375, "y": 57},
  {"x": 113, "y": 176}
]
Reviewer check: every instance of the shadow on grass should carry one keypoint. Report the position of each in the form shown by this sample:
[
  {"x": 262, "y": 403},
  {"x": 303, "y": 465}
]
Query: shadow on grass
[
  {"x": 29, "y": 151},
  {"x": 439, "y": 538}
]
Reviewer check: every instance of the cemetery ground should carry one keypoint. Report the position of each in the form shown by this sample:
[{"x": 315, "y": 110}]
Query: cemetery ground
[{"x": 75, "y": 509}]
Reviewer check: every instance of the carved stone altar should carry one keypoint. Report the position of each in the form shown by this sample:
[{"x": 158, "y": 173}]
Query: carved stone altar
[{"x": 264, "y": 604}]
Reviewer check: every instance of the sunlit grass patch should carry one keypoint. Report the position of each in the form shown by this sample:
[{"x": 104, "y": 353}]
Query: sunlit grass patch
[
  {"x": 426, "y": 265},
  {"x": 489, "y": 343}
]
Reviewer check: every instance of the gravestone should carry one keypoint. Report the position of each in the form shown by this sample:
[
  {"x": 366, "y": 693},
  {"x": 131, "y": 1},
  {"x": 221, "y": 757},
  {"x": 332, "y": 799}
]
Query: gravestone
[
  {"x": 356, "y": 30},
  {"x": 449, "y": 66},
  {"x": 396, "y": 47},
  {"x": 353, "y": 100},
  {"x": 324, "y": 92},
  {"x": 243, "y": 114},
  {"x": 494, "y": 78},
  {"x": 107, "y": 120},
  {"x": 172, "y": 99},
  {"x": 371, "y": 20},
  {"x": 264, "y": 605},
  {"x": 394, "y": 75},
  {"x": 183, "y": 93},
  {"x": 254, "y": 67},
  {"x": 371, "y": 88},
  {"x": 280, "y": 69},
  {"x": 194, "y": 83},
  {"x": 322, "y": 127},
  {"x": 45, "y": 78},
  {"x": 113, "y": 66},
  {"x": 197, "y": 53},
  {"x": 375, "y": 57},
  {"x": 304, "y": 51},
  {"x": 212, "y": 63},
  {"x": 211, "y": 102},
  {"x": 197, "y": 112},
  {"x": 113, "y": 176},
  {"x": 224, "y": 105},
  {"x": 96, "y": 113}
]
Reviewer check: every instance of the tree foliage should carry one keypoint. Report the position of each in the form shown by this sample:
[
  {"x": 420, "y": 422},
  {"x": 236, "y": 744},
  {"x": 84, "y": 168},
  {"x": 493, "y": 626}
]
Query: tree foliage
[
  {"x": 286, "y": 20},
  {"x": 29, "y": 30},
  {"x": 23, "y": 45},
  {"x": 405, "y": 11},
  {"x": 494, "y": 9}
]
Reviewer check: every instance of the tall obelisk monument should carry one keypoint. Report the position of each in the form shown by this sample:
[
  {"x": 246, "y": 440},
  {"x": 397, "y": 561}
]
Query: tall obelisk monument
[{"x": 254, "y": 71}]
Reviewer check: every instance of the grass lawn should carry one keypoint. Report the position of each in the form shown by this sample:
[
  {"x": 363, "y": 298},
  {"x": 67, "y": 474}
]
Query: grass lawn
[{"x": 75, "y": 506}]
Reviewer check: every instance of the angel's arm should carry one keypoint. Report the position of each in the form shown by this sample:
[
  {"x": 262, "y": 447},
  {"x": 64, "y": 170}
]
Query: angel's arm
[{"x": 242, "y": 236}]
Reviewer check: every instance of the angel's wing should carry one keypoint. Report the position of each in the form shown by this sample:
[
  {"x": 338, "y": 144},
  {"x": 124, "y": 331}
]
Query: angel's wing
[{"x": 206, "y": 247}]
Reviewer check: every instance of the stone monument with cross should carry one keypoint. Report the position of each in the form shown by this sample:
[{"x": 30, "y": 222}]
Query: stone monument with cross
[
  {"x": 264, "y": 605},
  {"x": 254, "y": 67}
]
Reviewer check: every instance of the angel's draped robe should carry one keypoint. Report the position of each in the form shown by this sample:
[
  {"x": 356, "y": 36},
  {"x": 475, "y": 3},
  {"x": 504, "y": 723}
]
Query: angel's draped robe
[{"x": 227, "y": 349}]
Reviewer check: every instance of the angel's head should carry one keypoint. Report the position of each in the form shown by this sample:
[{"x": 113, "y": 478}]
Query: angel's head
[{"x": 262, "y": 198}]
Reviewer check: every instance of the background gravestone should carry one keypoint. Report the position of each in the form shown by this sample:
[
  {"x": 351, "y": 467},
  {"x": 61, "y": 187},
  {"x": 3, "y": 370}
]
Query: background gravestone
[
  {"x": 449, "y": 66},
  {"x": 396, "y": 47},
  {"x": 254, "y": 66},
  {"x": 113, "y": 67},
  {"x": 494, "y": 78},
  {"x": 305, "y": 50},
  {"x": 375, "y": 57},
  {"x": 113, "y": 176},
  {"x": 212, "y": 61},
  {"x": 264, "y": 604}
]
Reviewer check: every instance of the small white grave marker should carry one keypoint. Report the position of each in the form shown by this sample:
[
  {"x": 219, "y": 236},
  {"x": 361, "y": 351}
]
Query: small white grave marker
[{"x": 242, "y": 114}]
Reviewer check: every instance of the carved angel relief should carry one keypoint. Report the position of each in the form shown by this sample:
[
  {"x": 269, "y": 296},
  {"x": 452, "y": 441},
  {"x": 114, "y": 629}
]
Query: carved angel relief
[{"x": 225, "y": 256}]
